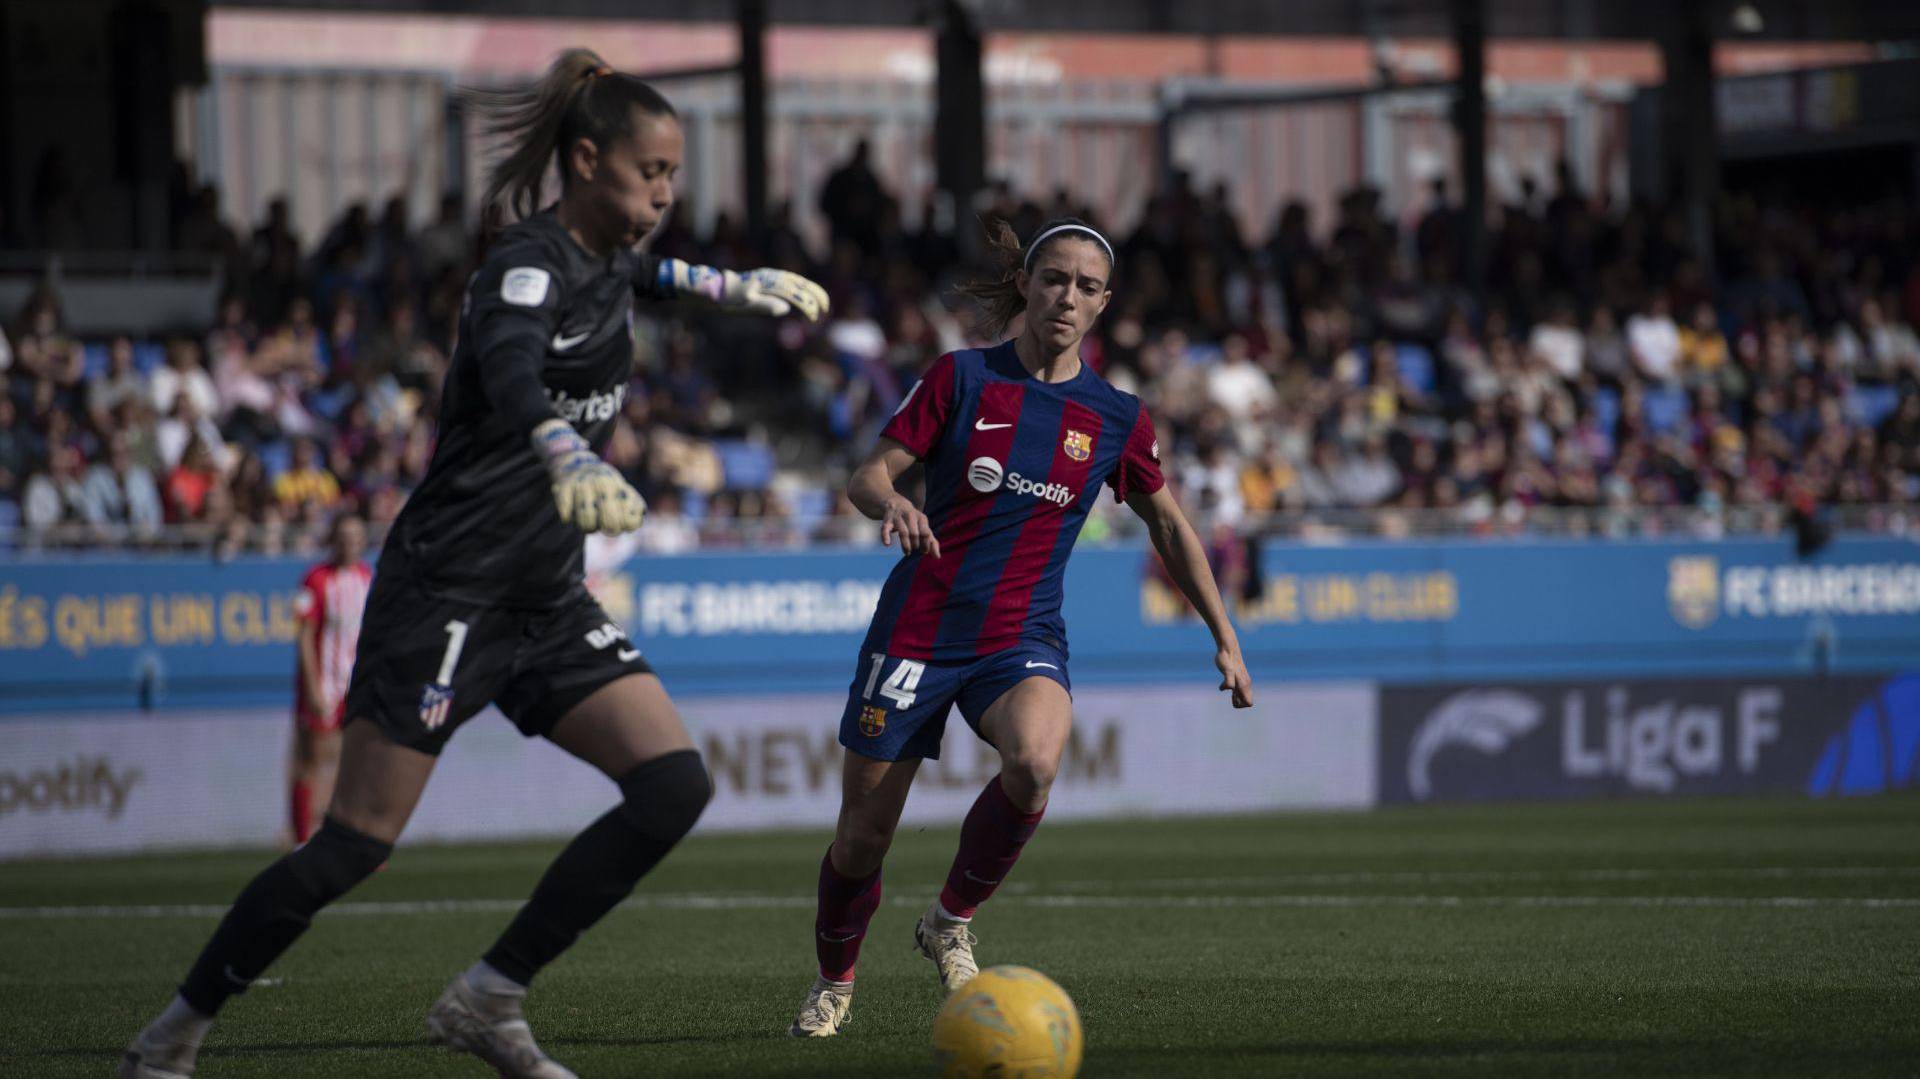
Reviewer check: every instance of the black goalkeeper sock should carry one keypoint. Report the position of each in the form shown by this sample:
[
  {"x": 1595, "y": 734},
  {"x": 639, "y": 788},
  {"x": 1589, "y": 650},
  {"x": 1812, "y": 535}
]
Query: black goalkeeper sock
[
  {"x": 600, "y": 867},
  {"x": 275, "y": 908}
]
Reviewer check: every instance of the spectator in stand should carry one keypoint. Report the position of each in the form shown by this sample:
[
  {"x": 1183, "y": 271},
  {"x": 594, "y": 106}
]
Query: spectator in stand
[
  {"x": 119, "y": 383},
  {"x": 306, "y": 480},
  {"x": 1556, "y": 341},
  {"x": 190, "y": 486},
  {"x": 184, "y": 425},
  {"x": 1240, "y": 387},
  {"x": 1703, "y": 348},
  {"x": 853, "y": 200},
  {"x": 56, "y": 497},
  {"x": 184, "y": 375},
  {"x": 17, "y": 449},
  {"x": 122, "y": 499},
  {"x": 1653, "y": 341}
]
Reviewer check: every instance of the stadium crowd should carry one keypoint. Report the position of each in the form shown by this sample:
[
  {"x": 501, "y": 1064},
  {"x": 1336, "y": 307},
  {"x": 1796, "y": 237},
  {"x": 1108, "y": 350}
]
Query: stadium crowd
[{"x": 1296, "y": 377}]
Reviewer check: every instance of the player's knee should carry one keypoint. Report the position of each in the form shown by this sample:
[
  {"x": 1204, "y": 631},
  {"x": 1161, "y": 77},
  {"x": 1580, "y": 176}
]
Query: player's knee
[
  {"x": 1027, "y": 776},
  {"x": 336, "y": 859},
  {"x": 665, "y": 796},
  {"x": 861, "y": 842}
]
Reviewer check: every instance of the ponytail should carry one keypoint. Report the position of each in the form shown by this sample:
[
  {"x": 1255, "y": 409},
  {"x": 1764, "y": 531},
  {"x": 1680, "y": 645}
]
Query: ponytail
[
  {"x": 998, "y": 293},
  {"x": 579, "y": 97}
]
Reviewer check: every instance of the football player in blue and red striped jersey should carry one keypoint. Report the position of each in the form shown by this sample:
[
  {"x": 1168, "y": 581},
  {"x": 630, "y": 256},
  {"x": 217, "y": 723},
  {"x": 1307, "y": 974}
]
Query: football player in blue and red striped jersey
[{"x": 1017, "y": 440}]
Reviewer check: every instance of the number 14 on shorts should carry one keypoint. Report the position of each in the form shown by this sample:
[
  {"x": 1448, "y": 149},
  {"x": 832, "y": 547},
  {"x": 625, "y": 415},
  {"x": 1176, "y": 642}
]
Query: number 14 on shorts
[{"x": 900, "y": 685}]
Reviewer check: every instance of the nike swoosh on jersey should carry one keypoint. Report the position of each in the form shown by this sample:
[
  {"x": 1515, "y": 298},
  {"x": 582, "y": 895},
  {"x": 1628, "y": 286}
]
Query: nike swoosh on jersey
[
  {"x": 982, "y": 425},
  {"x": 1031, "y": 664},
  {"x": 629, "y": 653},
  {"x": 561, "y": 344}
]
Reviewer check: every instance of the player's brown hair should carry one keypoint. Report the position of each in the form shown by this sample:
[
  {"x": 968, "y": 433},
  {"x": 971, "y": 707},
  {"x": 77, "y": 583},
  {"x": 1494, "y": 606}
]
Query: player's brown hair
[
  {"x": 579, "y": 97},
  {"x": 998, "y": 291}
]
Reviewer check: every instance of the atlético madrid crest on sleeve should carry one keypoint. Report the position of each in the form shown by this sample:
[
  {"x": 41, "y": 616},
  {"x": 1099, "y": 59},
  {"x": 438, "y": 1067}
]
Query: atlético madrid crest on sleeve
[
  {"x": 435, "y": 702},
  {"x": 1079, "y": 445}
]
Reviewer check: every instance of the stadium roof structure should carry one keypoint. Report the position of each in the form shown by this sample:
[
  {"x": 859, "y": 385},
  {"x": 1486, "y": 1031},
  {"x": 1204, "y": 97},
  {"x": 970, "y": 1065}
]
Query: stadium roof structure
[{"x": 1777, "y": 20}]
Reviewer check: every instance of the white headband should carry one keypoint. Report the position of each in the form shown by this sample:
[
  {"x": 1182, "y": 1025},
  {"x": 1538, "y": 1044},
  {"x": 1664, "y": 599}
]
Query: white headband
[{"x": 1027, "y": 263}]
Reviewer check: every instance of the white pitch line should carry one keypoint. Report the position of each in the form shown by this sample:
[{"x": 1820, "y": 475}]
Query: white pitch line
[
  {"x": 1476, "y": 876},
  {"x": 1220, "y": 901},
  {"x": 1069, "y": 901}
]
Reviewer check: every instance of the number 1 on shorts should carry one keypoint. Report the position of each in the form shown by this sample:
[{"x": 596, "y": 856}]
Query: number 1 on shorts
[{"x": 456, "y": 640}]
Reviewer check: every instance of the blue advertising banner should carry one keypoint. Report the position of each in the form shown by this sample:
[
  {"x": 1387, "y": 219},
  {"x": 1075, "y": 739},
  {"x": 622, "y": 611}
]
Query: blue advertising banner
[
  {"x": 187, "y": 633},
  {"x": 1649, "y": 738}
]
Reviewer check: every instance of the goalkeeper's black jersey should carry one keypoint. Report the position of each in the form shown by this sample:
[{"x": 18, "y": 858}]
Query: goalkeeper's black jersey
[{"x": 482, "y": 525}]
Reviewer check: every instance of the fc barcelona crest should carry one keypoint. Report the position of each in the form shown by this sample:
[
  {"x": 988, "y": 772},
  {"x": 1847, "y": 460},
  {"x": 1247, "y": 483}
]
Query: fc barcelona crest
[
  {"x": 1693, "y": 590},
  {"x": 873, "y": 720},
  {"x": 1079, "y": 445}
]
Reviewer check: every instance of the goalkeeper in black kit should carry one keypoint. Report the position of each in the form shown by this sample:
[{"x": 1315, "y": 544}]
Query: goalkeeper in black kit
[{"x": 479, "y": 596}]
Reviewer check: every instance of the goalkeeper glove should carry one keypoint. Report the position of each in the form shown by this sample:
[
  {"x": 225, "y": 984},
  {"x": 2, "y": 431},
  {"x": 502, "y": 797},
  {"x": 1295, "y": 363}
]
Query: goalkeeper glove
[
  {"x": 590, "y": 494},
  {"x": 763, "y": 292}
]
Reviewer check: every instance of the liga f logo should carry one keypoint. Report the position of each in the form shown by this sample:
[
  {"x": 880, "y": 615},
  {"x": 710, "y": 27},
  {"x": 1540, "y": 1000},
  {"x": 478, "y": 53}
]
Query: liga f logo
[
  {"x": 1079, "y": 445},
  {"x": 1693, "y": 590}
]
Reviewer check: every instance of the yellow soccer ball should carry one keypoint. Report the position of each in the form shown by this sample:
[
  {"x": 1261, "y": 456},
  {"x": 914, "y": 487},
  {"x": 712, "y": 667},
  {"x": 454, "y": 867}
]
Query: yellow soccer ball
[{"x": 1010, "y": 1023}]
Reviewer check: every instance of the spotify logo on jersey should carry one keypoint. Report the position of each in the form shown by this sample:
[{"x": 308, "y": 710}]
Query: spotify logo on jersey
[{"x": 985, "y": 475}]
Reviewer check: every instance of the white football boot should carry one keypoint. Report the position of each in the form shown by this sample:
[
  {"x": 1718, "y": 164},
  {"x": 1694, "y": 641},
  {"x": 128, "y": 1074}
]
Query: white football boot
[
  {"x": 168, "y": 1047},
  {"x": 491, "y": 1027},
  {"x": 150, "y": 1058},
  {"x": 949, "y": 945},
  {"x": 828, "y": 1007}
]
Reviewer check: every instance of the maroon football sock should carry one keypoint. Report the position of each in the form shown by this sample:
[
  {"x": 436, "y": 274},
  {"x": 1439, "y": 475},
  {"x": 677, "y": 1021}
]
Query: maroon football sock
[
  {"x": 990, "y": 843},
  {"x": 846, "y": 906}
]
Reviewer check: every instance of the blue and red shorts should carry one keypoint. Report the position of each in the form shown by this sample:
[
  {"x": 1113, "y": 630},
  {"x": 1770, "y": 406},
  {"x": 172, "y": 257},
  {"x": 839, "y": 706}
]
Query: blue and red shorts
[{"x": 897, "y": 708}]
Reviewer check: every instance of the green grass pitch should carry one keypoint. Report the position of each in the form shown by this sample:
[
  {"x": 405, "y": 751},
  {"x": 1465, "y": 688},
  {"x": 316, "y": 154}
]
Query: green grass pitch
[{"x": 1672, "y": 938}]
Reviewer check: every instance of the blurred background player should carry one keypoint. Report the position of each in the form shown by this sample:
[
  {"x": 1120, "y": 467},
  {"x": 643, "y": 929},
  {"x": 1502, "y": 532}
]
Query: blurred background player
[
  {"x": 1017, "y": 440},
  {"x": 480, "y": 598},
  {"x": 332, "y": 596}
]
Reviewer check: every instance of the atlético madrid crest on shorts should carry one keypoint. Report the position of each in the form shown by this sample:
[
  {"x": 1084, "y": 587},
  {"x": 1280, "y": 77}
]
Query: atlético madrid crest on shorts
[
  {"x": 1079, "y": 445},
  {"x": 873, "y": 720},
  {"x": 435, "y": 702}
]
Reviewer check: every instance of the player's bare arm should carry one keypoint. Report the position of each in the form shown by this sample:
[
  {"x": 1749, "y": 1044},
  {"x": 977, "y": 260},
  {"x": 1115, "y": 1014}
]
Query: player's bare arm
[
  {"x": 873, "y": 492},
  {"x": 1186, "y": 561},
  {"x": 307, "y": 645}
]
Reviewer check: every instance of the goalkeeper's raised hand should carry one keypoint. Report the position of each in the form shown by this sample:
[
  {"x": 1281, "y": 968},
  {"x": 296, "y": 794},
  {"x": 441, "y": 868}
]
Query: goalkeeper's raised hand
[
  {"x": 590, "y": 494},
  {"x": 776, "y": 293}
]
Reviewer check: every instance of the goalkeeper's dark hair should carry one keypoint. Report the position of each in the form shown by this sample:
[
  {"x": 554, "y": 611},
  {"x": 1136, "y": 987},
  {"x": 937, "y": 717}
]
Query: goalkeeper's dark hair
[
  {"x": 998, "y": 291},
  {"x": 580, "y": 97}
]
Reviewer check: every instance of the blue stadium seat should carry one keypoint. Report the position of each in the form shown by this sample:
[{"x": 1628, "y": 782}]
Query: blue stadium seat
[
  {"x": 1869, "y": 405},
  {"x": 93, "y": 360},
  {"x": 1416, "y": 367},
  {"x": 748, "y": 465},
  {"x": 811, "y": 506},
  {"x": 148, "y": 355},
  {"x": 1664, "y": 409},
  {"x": 276, "y": 456},
  {"x": 1606, "y": 408}
]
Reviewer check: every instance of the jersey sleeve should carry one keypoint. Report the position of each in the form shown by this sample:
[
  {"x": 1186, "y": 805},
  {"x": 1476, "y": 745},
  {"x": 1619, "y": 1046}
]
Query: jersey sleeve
[
  {"x": 1139, "y": 469},
  {"x": 923, "y": 414},
  {"x": 515, "y": 300},
  {"x": 647, "y": 284},
  {"x": 307, "y": 603}
]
